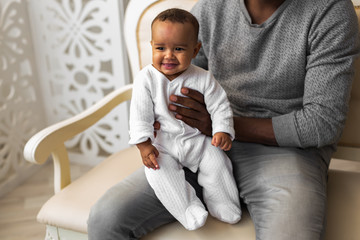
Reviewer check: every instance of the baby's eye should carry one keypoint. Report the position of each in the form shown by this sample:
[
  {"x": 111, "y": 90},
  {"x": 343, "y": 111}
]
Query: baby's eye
[
  {"x": 179, "y": 49},
  {"x": 160, "y": 48}
]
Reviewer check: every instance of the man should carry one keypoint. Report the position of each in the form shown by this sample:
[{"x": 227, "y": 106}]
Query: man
[{"x": 287, "y": 69}]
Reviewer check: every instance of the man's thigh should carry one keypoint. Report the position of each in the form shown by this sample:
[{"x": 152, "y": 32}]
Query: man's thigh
[
  {"x": 130, "y": 209},
  {"x": 284, "y": 189}
]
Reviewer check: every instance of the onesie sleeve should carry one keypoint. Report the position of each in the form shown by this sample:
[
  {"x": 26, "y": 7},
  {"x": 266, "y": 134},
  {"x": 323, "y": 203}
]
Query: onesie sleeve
[
  {"x": 333, "y": 46},
  {"x": 219, "y": 108},
  {"x": 141, "y": 111}
]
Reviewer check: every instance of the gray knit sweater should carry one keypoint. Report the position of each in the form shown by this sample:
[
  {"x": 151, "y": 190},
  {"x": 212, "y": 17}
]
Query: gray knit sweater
[{"x": 295, "y": 68}]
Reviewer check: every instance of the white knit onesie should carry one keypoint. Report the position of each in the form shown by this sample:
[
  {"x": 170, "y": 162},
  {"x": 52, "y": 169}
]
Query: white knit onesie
[{"x": 180, "y": 145}]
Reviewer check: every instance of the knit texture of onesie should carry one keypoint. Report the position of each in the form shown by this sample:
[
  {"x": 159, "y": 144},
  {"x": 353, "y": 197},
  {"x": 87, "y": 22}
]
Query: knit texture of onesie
[
  {"x": 150, "y": 100},
  {"x": 180, "y": 145},
  {"x": 296, "y": 67}
]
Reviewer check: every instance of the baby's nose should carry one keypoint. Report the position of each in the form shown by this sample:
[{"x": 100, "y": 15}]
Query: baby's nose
[{"x": 169, "y": 54}]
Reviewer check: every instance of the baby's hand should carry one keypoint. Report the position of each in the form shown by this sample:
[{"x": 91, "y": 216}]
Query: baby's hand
[
  {"x": 222, "y": 140},
  {"x": 148, "y": 154}
]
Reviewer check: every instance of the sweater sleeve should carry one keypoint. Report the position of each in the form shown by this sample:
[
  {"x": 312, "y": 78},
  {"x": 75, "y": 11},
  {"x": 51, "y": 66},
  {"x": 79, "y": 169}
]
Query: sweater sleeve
[
  {"x": 141, "y": 111},
  {"x": 332, "y": 48}
]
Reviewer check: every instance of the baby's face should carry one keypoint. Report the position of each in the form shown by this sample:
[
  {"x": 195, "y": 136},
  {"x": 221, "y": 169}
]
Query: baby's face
[{"x": 173, "y": 47}]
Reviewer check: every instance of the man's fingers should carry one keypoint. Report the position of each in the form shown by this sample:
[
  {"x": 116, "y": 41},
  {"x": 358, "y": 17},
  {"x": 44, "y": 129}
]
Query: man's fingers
[
  {"x": 190, "y": 113},
  {"x": 156, "y": 125},
  {"x": 188, "y": 103},
  {"x": 189, "y": 121},
  {"x": 193, "y": 94},
  {"x": 192, "y": 110},
  {"x": 202, "y": 125}
]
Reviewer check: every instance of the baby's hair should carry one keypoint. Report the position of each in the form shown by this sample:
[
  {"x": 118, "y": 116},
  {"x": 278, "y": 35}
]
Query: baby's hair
[{"x": 177, "y": 15}]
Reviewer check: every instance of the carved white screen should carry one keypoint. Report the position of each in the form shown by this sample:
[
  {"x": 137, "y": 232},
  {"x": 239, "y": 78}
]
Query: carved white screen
[
  {"x": 21, "y": 109},
  {"x": 80, "y": 58}
]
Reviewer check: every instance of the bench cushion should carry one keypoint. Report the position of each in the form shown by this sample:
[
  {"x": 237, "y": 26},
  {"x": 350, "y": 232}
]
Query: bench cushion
[{"x": 69, "y": 209}]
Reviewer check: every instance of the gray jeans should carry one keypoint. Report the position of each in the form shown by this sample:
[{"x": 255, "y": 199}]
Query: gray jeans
[{"x": 284, "y": 190}]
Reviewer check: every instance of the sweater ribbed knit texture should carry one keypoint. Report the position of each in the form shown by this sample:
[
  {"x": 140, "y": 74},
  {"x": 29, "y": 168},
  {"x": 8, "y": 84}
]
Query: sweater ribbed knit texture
[{"x": 296, "y": 68}]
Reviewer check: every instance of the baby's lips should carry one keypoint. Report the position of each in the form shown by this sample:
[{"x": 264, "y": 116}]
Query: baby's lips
[{"x": 169, "y": 65}]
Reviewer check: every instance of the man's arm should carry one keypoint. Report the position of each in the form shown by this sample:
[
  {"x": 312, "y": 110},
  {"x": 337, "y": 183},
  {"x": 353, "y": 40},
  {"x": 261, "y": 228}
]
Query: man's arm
[
  {"x": 257, "y": 130},
  {"x": 194, "y": 113}
]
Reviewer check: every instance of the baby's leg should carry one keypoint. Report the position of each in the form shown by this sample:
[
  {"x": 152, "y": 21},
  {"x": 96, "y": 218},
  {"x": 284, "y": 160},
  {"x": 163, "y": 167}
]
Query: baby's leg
[
  {"x": 220, "y": 190},
  {"x": 175, "y": 193}
]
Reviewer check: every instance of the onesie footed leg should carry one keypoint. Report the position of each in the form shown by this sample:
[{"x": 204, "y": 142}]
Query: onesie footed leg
[
  {"x": 175, "y": 193},
  {"x": 229, "y": 213},
  {"x": 195, "y": 217},
  {"x": 219, "y": 188}
]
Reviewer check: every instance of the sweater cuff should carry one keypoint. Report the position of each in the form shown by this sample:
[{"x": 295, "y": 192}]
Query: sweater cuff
[{"x": 285, "y": 130}]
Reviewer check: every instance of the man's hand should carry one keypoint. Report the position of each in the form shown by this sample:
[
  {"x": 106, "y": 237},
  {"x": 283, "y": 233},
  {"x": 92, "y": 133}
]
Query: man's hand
[
  {"x": 222, "y": 140},
  {"x": 156, "y": 127},
  {"x": 193, "y": 112},
  {"x": 148, "y": 154}
]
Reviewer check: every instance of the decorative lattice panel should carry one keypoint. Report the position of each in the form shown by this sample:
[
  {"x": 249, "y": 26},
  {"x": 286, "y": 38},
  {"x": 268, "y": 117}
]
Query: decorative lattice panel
[
  {"x": 80, "y": 58},
  {"x": 21, "y": 112}
]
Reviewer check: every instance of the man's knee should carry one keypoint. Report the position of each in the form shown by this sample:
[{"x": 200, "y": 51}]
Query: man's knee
[
  {"x": 108, "y": 220},
  {"x": 290, "y": 208},
  {"x": 286, "y": 196},
  {"x": 115, "y": 214},
  {"x": 128, "y": 210}
]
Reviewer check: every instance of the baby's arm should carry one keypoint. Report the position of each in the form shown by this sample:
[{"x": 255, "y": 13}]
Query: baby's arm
[
  {"x": 148, "y": 154},
  {"x": 222, "y": 140}
]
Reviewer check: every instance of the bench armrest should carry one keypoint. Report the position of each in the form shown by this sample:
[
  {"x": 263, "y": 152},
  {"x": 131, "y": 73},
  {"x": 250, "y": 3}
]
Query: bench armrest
[{"x": 51, "y": 140}]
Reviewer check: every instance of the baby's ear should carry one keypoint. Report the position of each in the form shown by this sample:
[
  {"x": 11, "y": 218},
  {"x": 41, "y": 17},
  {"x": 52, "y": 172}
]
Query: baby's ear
[{"x": 197, "y": 49}]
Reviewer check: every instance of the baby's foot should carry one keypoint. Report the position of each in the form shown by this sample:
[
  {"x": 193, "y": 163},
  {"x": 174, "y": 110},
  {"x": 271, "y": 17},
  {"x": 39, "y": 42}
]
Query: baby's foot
[
  {"x": 195, "y": 217},
  {"x": 226, "y": 213}
]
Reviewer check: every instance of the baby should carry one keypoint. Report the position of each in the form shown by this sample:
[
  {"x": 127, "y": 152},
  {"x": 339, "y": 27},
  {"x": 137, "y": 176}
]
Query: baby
[{"x": 174, "y": 43}]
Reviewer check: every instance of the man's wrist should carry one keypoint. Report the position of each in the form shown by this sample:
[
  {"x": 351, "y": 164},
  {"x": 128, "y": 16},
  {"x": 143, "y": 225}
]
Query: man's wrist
[{"x": 256, "y": 130}]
